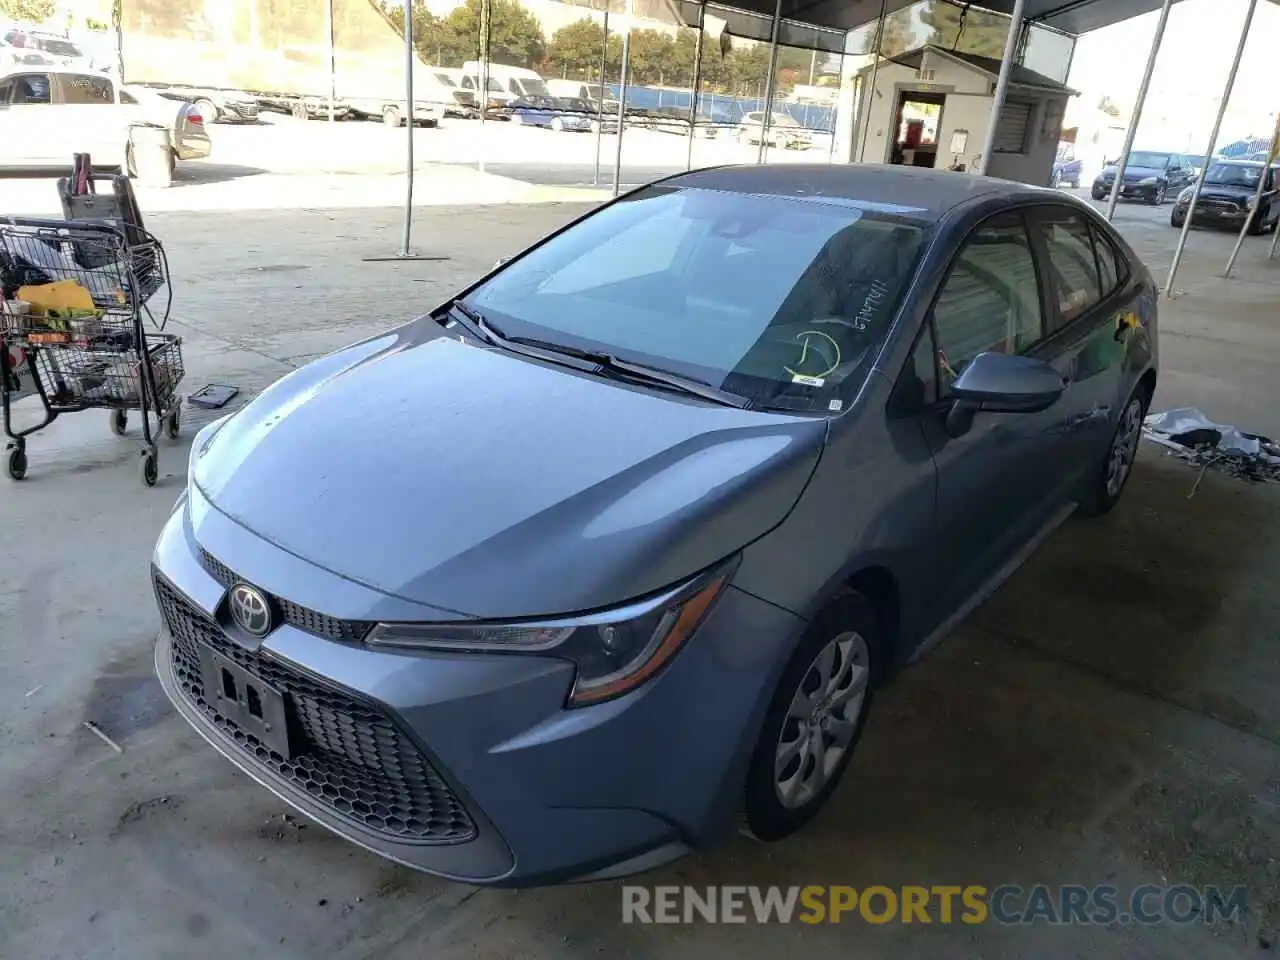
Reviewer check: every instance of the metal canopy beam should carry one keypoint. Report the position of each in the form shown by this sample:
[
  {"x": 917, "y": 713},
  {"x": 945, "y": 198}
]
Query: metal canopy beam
[{"x": 1070, "y": 16}]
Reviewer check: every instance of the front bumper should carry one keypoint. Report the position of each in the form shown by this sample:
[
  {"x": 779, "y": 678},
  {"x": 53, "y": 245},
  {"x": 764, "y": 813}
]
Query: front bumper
[
  {"x": 1128, "y": 191},
  {"x": 238, "y": 112},
  {"x": 1215, "y": 215},
  {"x": 466, "y": 765}
]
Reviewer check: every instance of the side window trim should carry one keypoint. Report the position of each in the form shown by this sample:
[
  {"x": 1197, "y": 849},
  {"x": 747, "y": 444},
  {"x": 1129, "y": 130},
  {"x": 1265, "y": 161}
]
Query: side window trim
[{"x": 1056, "y": 324}]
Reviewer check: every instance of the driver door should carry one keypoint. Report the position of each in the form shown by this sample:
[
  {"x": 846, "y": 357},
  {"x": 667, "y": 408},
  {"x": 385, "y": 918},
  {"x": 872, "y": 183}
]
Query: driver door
[{"x": 999, "y": 483}]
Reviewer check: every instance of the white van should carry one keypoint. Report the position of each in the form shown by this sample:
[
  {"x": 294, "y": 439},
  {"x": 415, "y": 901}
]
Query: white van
[{"x": 506, "y": 83}]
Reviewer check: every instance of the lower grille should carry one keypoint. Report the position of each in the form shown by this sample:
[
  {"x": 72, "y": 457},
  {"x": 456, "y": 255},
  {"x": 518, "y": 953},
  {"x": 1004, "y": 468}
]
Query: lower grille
[{"x": 350, "y": 757}]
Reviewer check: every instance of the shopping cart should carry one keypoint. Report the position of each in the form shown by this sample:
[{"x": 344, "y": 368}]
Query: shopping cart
[{"x": 74, "y": 323}]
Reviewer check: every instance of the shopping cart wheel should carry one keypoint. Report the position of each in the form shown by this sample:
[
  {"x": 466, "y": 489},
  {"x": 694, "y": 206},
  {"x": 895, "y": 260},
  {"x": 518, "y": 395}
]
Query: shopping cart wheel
[
  {"x": 119, "y": 422},
  {"x": 173, "y": 424},
  {"x": 150, "y": 467},
  {"x": 17, "y": 462}
]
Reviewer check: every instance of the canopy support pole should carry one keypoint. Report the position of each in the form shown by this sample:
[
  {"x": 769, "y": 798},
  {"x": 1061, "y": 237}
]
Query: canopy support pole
[
  {"x": 1122, "y": 162},
  {"x": 1213, "y": 140},
  {"x": 1002, "y": 86},
  {"x": 604, "y": 65},
  {"x": 769, "y": 82},
  {"x": 697, "y": 82},
  {"x": 333, "y": 66},
  {"x": 410, "y": 55},
  {"x": 622, "y": 98},
  {"x": 869, "y": 91}
]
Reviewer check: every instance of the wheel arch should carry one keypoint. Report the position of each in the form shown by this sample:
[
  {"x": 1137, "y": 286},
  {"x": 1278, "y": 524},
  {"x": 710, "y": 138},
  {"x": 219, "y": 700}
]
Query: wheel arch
[{"x": 879, "y": 585}]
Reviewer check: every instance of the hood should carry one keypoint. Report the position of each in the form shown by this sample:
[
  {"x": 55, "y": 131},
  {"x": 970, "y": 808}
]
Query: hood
[
  {"x": 463, "y": 477},
  {"x": 1227, "y": 191},
  {"x": 1132, "y": 173}
]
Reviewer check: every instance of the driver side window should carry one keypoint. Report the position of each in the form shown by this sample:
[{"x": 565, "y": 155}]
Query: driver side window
[{"x": 991, "y": 300}]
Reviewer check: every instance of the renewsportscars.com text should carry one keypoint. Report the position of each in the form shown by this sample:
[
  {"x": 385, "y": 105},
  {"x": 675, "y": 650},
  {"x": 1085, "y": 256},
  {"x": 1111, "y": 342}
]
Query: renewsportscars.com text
[{"x": 973, "y": 904}]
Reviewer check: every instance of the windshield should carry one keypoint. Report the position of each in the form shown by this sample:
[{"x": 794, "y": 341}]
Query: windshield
[
  {"x": 59, "y": 48},
  {"x": 775, "y": 299},
  {"x": 1155, "y": 161},
  {"x": 1233, "y": 174}
]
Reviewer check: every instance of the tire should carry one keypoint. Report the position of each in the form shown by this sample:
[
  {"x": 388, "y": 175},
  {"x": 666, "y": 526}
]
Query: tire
[
  {"x": 1055, "y": 180},
  {"x": 208, "y": 110},
  {"x": 119, "y": 421},
  {"x": 391, "y": 116},
  {"x": 1106, "y": 485},
  {"x": 1099, "y": 194},
  {"x": 843, "y": 644},
  {"x": 149, "y": 468},
  {"x": 1256, "y": 227},
  {"x": 17, "y": 464},
  {"x": 1158, "y": 199},
  {"x": 299, "y": 111}
]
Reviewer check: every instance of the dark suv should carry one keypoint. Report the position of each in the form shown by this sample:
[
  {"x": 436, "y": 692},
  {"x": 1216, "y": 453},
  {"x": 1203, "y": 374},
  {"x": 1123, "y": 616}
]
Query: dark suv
[{"x": 1149, "y": 175}]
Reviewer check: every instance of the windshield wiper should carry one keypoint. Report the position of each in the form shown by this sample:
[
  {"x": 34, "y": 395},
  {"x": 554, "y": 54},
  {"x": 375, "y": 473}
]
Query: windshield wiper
[
  {"x": 608, "y": 363},
  {"x": 598, "y": 361}
]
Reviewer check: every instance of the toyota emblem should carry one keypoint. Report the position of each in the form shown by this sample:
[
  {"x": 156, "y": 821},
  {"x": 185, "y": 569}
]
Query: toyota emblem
[{"x": 250, "y": 610}]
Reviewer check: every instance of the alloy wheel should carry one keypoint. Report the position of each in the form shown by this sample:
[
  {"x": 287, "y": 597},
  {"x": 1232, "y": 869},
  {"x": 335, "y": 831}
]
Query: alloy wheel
[
  {"x": 1124, "y": 448},
  {"x": 822, "y": 720}
]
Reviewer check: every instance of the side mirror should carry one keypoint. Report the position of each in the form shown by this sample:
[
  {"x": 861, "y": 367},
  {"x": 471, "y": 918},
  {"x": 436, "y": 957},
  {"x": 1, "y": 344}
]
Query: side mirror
[{"x": 1000, "y": 383}]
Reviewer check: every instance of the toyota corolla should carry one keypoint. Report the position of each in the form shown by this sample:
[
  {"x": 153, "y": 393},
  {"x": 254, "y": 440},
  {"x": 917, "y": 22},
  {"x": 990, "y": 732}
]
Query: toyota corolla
[{"x": 606, "y": 556}]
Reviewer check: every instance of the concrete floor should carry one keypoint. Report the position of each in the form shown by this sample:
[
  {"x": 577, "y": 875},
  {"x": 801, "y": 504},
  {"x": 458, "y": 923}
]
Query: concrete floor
[{"x": 1108, "y": 717}]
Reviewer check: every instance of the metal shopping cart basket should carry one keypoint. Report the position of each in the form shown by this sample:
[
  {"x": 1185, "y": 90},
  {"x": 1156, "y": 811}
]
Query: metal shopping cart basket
[{"x": 74, "y": 329}]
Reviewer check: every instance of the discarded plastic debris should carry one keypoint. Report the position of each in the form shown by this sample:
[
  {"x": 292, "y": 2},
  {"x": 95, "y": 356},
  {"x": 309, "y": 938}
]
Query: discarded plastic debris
[
  {"x": 97, "y": 732},
  {"x": 213, "y": 396},
  {"x": 1191, "y": 436}
]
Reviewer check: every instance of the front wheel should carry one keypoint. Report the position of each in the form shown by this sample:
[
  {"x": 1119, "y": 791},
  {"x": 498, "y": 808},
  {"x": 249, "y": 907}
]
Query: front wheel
[
  {"x": 557, "y": 124},
  {"x": 814, "y": 720},
  {"x": 391, "y": 117},
  {"x": 1158, "y": 198},
  {"x": 299, "y": 110},
  {"x": 1055, "y": 181}
]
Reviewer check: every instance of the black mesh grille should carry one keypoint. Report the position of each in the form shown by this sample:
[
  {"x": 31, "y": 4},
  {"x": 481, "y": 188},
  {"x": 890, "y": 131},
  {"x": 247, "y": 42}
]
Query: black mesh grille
[
  {"x": 349, "y": 756},
  {"x": 321, "y": 624}
]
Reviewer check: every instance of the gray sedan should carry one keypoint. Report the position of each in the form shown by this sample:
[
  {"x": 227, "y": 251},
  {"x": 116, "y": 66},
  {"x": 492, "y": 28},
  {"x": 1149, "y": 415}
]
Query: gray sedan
[{"x": 610, "y": 552}]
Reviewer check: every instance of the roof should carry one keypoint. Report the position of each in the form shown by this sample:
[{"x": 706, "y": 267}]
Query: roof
[
  {"x": 918, "y": 192},
  {"x": 1019, "y": 76}
]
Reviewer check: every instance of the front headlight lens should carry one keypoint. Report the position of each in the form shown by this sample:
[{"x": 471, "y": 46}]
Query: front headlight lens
[
  {"x": 1185, "y": 195},
  {"x": 1251, "y": 203},
  {"x": 614, "y": 652},
  {"x": 1150, "y": 181}
]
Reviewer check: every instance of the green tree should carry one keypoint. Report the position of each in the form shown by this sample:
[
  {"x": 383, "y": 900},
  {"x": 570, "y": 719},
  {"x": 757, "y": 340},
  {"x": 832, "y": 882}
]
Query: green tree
[
  {"x": 897, "y": 37},
  {"x": 651, "y": 57},
  {"x": 971, "y": 31},
  {"x": 515, "y": 36},
  {"x": 575, "y": 50},
  {"x": 33, "y": 10}
]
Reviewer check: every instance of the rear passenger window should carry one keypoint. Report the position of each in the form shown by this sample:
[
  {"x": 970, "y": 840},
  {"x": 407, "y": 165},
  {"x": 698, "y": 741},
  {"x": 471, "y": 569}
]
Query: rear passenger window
[
  {"x": 1074, "y": 266},
  {"x": 991, "y": 300}
]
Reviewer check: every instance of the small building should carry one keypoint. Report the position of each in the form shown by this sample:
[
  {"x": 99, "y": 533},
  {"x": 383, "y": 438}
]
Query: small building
[{"x": 930, "y": 108}]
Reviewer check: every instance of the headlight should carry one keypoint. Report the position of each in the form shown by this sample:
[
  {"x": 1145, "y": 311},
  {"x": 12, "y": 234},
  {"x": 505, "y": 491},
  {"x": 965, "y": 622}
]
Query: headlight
[
  {"x": 1185, "y": 195},
  {"x": 1149, "y": 181},
  {"x": 614, "y": 652},
  {"x": 1251, "y": 203}
]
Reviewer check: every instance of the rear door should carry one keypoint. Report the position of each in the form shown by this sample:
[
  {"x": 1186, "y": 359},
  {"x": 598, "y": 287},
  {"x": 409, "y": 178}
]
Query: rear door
[
  {"x": 1087, "y": 326},
  {"x": 1000, "y": 483}
]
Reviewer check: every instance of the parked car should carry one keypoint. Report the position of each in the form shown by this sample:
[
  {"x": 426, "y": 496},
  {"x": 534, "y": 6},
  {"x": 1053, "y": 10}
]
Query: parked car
[
  {"x": 1149, "y": 175},
  {"x": 1066, "y": 173},
  {"x": 49, "y": 114},
  {"x": 784, "y": 131},
  {"x": 704, "y": 469},
  {"x": 215, "y": 106},
  {"x": 426, "y": 113},
  {"x": 1228, "y": 197},
  {"x": 456, "y": 101},
  {"x": 557, "y": 113},
  {"x": 34, "y": 48}
]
